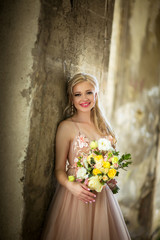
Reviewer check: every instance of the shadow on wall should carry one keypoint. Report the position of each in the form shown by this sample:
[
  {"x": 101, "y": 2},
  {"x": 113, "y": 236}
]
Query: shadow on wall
[{"x": 134, "y": 96}]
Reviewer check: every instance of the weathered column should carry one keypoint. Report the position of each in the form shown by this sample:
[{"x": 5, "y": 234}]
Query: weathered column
[
  {"x": 73, "y": 36},
  {"x": 18, "y": 33},
  {"x": 134, "y": 95}
]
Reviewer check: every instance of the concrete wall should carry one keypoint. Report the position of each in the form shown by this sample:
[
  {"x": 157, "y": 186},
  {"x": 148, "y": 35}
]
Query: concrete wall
[
  {"x": 19, "y": 24},
  {"x": 73, "y": 36},
  {"x": 133, "y": 101},
  {"x": 42, "y": 44}
]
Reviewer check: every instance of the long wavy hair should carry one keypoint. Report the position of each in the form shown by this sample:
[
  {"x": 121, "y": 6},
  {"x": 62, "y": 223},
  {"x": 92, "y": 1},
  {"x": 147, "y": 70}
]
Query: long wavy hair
[{"x": 102, "y": 125}]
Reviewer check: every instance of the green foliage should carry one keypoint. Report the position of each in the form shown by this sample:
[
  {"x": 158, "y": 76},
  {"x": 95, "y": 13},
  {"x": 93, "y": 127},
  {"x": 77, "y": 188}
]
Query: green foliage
[
  {"x": 97, "y": 153},
  {"x": 124, "y": 160},
  {"x": 102, "y": 182},
  {"x": 92, "y": 160},
  {"x": 117, "y": 173},
  {"x": 115, "y": 190},
  {"x": 99, "y": 174},
  {"x": 116, "y": 153},
  {"x": 89, "y": 169},
  {"x": 124, "y": 157},
  {"x": 79, "y": 164},
  {"x": 110, "y": 155}
]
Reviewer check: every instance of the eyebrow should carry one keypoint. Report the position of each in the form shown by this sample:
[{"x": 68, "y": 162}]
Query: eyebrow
[{"x": 86, "y": 91}]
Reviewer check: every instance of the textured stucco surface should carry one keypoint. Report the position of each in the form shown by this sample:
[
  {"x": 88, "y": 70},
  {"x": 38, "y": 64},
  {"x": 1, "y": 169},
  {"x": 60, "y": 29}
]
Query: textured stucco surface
[
  {"x": 42, "y": 43},
  {"x": 73, "y": 36},
  {"x": 134, "y": 87},
  {"x": 19, "y": 25}
]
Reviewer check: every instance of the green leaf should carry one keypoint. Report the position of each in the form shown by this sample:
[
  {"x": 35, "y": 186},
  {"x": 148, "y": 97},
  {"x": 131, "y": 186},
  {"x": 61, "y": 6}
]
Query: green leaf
[
  {"x": 115, "y": 190},
  {"x": 97, "y": 153},
  {"x": 102, "y": 182},
  {"x": 89, "y": 169},
  {"x": 92, "y": 160},
  {"x": 125, "y": 157},
  {"x": 117, "y": 173},
  {"x": 116, "y": 153},
  {"x": 79, "y": 164},
  {"x": 110, "y": 155}
]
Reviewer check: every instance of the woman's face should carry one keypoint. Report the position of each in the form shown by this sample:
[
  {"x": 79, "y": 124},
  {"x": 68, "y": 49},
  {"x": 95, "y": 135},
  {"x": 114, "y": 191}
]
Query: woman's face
[{"x": 84, "y": 96}]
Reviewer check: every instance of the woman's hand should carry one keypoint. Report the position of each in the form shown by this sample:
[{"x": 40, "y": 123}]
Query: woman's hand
[{"x": 81, "y": 191}]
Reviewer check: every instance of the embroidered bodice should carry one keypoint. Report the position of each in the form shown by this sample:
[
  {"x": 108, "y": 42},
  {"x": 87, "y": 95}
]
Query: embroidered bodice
[{"x": 79, "y": 146}]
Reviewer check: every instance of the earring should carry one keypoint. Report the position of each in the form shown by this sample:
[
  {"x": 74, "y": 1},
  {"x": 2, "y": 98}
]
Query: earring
[{"x": 72, "y": 109}]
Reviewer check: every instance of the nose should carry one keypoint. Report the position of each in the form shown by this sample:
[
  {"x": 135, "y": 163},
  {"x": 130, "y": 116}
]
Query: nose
[{"x": 85, "y": 96}]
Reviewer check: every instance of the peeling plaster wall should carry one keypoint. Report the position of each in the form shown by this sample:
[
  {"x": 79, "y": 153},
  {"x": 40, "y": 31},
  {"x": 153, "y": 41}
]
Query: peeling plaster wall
[
  {"x": 134, "y": 95},
  {"x": 73, "y": 36},
  {"x": 19, "y": 25}
]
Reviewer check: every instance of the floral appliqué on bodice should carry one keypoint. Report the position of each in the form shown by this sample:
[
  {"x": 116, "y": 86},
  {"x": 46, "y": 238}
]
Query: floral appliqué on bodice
[
  {"x": 81, "y": 144},
  {"x": 80, "y": 147}
]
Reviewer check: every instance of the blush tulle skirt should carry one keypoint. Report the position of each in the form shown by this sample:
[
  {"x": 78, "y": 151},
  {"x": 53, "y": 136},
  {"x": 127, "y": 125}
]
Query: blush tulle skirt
[{"x": 71, "y": 219}]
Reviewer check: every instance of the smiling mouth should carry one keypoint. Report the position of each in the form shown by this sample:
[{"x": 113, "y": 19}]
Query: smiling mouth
[{"x": 85, "y": 104}]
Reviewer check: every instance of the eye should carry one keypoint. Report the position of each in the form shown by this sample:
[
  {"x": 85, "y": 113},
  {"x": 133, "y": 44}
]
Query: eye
[
  {"x": 77, "y": 94},
  {"x": 89, "y": 92}
]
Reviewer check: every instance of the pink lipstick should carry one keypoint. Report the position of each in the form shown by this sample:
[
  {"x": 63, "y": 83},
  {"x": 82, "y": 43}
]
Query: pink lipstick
[{"x": 86, "y": 104}]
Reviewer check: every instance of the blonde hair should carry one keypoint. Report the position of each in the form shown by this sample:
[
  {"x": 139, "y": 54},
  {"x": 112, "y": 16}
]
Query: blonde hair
[{"x": 101, "y": 124}]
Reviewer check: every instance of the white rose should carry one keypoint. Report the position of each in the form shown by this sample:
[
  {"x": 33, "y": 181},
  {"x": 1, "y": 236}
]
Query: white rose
[
  {"x": 98, "y": 165},
  {"x": 85, "y": 163},
  {"x": 94, "y": 184},
  {"x": 81, "y": 173},
  {"x": 104, "y": 144}
]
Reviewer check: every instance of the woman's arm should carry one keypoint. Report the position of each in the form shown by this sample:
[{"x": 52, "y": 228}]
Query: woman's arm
[
  {"x": 63, "y": 139},
  {"x": 62, "y": 148}
]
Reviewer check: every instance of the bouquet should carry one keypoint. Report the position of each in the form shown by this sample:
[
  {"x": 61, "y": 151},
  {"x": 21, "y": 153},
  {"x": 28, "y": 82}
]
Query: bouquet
[{"x": 100, "y": 166}]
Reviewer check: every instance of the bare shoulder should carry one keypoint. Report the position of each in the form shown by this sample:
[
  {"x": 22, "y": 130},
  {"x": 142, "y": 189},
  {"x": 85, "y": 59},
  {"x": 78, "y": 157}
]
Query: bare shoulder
[
  {"x": 65, "y": 124},
  {"x": 65, "y": 128}
]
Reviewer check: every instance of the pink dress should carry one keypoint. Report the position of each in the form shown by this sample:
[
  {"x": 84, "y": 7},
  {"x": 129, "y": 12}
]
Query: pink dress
[{"x": 71, "y": 219}]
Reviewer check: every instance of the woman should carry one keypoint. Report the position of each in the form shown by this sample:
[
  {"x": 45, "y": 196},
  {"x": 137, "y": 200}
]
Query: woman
[{"x": 76, "y": 213}]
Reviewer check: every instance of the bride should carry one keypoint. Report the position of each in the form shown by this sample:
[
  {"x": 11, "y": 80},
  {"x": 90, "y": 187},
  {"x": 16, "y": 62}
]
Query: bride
[{"x": 75, "y": 212}]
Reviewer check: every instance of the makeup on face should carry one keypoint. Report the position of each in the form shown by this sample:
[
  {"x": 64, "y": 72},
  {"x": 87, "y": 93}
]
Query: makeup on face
[{"x": 84, "y": 96}]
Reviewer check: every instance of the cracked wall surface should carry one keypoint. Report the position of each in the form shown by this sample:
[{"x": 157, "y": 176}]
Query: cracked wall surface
[
  {"x": 73, "y": 36},
  {"x": 134, "y": 86},
  {"x": 42, "y": 44},
  {"x": 19, "y": 25}
]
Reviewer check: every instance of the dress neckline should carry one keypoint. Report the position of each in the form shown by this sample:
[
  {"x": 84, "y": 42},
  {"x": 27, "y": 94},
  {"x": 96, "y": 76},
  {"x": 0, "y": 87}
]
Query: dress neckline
[{"x": 81, "y": 132}]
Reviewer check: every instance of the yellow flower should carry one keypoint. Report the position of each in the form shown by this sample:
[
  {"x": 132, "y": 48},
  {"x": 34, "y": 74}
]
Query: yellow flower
[
  {"x": 98, "y": 164},
  {"x": 93, "y": 144},
  {"x": 71, "y": 178},
  {"x": 112, "y": 173},
  {"x": 104, "y": 170},
  {"x": 105, "y": 178},
  {"x": 114, "y": 159},
  {"x": 98, "y": 157},
  {"x": 106, "y": 164},
  {"x": 94, "y": 184},
  {"x": 96, "y": 171}
]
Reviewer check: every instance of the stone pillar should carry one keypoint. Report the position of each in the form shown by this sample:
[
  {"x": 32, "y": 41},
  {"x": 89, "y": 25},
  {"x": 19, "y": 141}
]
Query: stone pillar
[
  {"x": 18, "y": 33},
  {"x": 134, "y": 96},
  {"x": 73, "y": 36}
]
